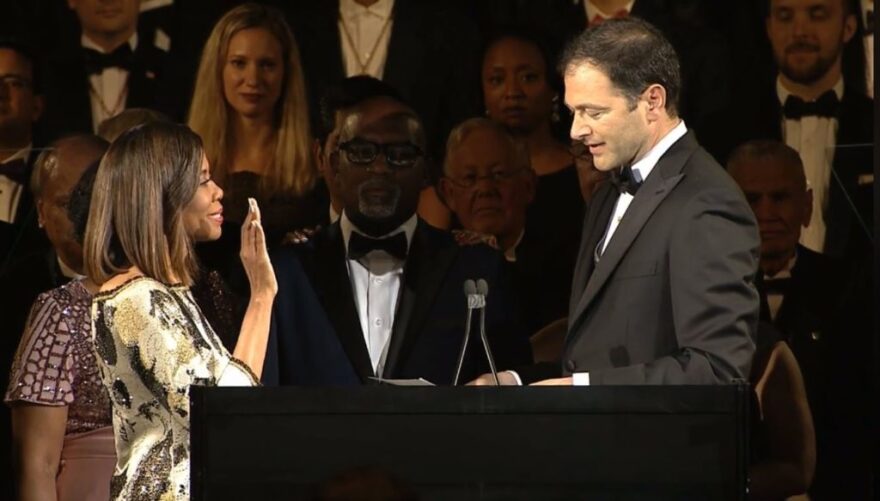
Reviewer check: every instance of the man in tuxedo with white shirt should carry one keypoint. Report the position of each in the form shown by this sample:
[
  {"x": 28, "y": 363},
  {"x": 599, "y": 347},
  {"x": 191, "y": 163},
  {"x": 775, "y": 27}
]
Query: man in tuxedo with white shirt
[
  {"x": 21, "y": 105},
  {"x": 110, "y": 67},
  {"x": 810, "y": 106},
  {"x": 379, "y": 293},
  {"x": 821, "y": 306},
  {"x": 663, "y": 288}
]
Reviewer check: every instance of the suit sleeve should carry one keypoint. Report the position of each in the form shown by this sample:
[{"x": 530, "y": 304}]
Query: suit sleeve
[{"x": 713, "y": 254}]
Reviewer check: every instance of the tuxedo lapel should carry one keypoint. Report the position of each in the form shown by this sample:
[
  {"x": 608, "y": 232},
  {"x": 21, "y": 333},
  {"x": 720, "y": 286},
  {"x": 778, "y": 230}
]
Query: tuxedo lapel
[
  {"x": 595, "y": 224},
  {"x": 426, "y": 265},
  {"x": 333, "y": 286},
  {"x": 652, "y": 193},
  {"x": 142, "y": 76},
  {"x": 403, "y": 48}
]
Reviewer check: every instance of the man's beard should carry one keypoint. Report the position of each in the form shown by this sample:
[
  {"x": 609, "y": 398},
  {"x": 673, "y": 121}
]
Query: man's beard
[
  {"x": 810, "y": 74},
  {"x": 374, "y": 206}
]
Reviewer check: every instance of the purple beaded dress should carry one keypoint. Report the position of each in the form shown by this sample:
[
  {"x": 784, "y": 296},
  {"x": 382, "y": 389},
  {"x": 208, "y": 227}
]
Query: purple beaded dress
[{"x": 55, "y": 365}]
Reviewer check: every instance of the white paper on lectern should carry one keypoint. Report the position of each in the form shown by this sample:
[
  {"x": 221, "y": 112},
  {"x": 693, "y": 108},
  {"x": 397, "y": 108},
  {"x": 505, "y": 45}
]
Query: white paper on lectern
[{"x": 404, "y": 382}]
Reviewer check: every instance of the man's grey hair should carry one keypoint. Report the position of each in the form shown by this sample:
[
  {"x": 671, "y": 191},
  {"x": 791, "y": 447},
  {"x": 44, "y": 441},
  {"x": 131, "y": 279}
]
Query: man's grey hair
[{"x": 519, "y": 150}]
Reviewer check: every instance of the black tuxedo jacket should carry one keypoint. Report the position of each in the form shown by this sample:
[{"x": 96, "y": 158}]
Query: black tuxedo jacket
[
  {"x": 850, "y": 195},
  {"x": 433, "y": 59},
  {"x": 825, "y": 318},
  {"x": 23, "y": 236},
  {"x": 68, "y": 106},
  {"x": 672, "y": 299},
  {"x": 316, "y": 337}
]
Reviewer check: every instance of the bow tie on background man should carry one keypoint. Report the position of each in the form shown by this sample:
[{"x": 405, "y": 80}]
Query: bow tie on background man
[
  {"x": 360, "y": 245},
  {"x": 625, "y": 180},
  {"x": 15, "y": 170},
  {"x": 97, "y": 62},
  {"x": 796, "y": 108}
]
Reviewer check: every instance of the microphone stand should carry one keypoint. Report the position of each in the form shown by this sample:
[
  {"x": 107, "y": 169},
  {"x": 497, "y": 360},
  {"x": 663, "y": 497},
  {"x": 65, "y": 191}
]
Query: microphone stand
[
  {"x": 470, "y": 290},
  {"x": 483, "y": 290}
]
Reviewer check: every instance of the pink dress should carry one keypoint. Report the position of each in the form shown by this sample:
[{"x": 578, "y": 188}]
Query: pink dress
[{"x": 55, "y": 365}]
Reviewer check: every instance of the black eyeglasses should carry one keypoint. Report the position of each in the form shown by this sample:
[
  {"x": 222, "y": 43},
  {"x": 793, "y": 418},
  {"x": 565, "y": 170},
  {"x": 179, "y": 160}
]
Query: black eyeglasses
[
  {"x": 397, "y": 155},
  {"x": 579, "y": 150}
]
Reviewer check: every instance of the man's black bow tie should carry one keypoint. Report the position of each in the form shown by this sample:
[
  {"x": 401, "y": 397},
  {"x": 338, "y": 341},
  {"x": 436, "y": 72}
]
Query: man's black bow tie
[
  {"x": 15, "y": 170},
  {"x": 360, "y": 245},
  {"x": 625, "y": 180},
  {"x": 776, "y": 285},
  {"x": 97, "y": 62},
  {"x": 826, "y": 106}
]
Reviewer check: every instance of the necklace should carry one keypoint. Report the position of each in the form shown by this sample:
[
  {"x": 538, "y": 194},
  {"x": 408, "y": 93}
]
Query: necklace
[
  {"x": 120, "y": 101},
  {"x": 357, "y": 57}
]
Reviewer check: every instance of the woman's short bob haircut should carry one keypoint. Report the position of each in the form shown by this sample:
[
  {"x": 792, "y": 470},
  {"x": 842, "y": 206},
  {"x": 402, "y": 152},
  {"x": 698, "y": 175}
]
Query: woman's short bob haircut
[{"x": 145, "y": 180}]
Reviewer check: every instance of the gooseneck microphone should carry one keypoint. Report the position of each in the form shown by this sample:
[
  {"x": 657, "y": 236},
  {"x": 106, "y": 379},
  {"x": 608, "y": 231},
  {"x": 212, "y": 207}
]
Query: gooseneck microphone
[
  {"x": 473, "y": 302},
  {"x": 482, "y": 292}
]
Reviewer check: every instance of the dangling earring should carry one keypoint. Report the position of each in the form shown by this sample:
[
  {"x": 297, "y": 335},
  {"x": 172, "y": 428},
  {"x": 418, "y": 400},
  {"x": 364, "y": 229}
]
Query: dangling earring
[{"x": 554, "y": 114}]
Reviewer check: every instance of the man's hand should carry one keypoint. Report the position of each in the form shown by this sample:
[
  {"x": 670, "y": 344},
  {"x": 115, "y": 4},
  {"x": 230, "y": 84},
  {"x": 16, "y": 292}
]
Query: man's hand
[
  {"x": 561, "y": 381},
  {"x": 505, "y": 378}
]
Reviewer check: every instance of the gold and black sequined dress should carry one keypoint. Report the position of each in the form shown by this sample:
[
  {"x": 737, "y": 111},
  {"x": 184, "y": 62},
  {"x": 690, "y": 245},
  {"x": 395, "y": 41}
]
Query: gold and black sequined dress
[{"x": 153, "y": 343}]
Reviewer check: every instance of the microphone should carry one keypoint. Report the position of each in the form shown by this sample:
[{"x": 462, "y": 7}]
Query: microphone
[
  {"x": 473, "y": 302},
  {"x": 483, "y": 291}
]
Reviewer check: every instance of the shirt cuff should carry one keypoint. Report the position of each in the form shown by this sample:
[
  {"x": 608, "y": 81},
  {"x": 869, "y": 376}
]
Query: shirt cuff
[
  {"x": 580, "y": 379},
  {"x": 516, "y": 377}
]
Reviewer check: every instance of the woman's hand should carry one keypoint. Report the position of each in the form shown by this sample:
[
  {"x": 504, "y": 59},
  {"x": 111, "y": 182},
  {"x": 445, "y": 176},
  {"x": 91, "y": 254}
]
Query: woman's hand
[{"x": 254, "y": 256}]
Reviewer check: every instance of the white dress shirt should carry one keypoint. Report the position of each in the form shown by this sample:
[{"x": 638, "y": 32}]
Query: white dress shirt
[
  {"x": 10, "y": 191},
  {"x": 593, "y": 11},
  {"x": 370, "y": 31},
  {"x": 110, "y": 86},
  {"x": 814, "y": 138},
  {"x": 774, "y": 300},
  {"x": 641, "y": 170},
  {"x": 375, "y": 285}
]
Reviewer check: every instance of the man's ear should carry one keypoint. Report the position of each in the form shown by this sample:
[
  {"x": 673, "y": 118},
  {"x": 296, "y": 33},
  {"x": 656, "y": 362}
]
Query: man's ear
[
  {"x": 39, "y": 107},
  {"x": 447, "y": 192},
  {"x": 808, "y": 208},
  {"x": 655, "y": 96},
  {"x": 40, "y": 217},
  {"x": 849, "y": 27}
]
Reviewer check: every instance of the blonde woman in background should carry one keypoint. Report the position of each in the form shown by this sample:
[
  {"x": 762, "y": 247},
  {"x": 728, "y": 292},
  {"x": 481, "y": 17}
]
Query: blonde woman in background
[{"x": 250, "y": 108}]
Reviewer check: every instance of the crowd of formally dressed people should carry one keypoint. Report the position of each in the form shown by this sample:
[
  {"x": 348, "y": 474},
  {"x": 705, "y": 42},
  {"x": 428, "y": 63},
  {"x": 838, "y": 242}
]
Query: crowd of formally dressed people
[{"x": 293, "y": 193}]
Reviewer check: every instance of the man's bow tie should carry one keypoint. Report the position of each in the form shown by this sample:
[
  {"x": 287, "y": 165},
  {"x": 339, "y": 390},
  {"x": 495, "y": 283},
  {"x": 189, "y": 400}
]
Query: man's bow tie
[
  {"x": 625, "y": 180},
  {"x": 16, "y": 170},
  {"x": 97, "y": 62},
  {"x": 796, "y": 108},
  {"x": 776, "y": 285},
  {"x": 360, "y": 245}
]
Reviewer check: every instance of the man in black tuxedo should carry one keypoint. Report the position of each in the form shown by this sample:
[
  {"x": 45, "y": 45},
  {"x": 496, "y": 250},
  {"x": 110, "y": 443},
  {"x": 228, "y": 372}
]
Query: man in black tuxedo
[
  {"x": 820, "y": 308},
  {"x": 663, "y": 288},
  {"x": 21, "y": 105},
  {"x": 427, "y": 49},
  {"x": 111, "y": 67},
  {"x": 811, "y": 107},
  {"x": 379, "y": 293}
]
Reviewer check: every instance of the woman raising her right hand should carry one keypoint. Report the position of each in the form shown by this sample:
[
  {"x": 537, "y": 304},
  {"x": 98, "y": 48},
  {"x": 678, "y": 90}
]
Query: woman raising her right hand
[{"x": 153, "y": 197}]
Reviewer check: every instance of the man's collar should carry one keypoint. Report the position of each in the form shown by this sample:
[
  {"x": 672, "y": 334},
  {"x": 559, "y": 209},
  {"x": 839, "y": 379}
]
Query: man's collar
[
  {"x": 347, "y": 227},
  {"x": 782, "y": 93},
  {"x": 21, "y": 154},
  {"x": 87, "y": 43},
  {"x": 593, "y": 11},
  {"x": 510, "y": 254},
  {"x": 642, "y": 168},
  {"x": 349, "y": 9},
  {"x": 785, "y": 272}
]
